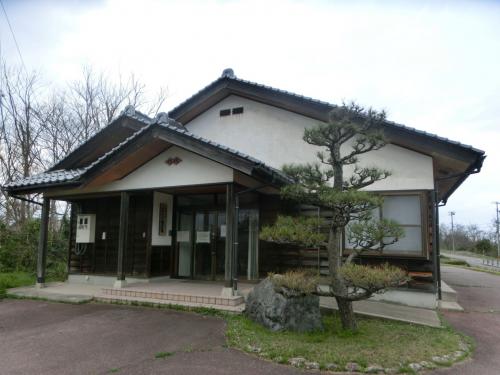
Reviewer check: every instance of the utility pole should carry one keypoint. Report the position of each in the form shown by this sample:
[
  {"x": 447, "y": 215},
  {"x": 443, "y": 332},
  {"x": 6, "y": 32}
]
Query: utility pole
[
  {"x": 452, "y": 213},
  {"x": 497, "y": 222}
]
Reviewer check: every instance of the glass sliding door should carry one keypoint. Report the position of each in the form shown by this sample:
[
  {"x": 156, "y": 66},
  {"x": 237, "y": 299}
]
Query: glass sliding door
[
  {"x": 204, "y": 249},
  {"x": 184, "y": 243},
  {"x": 248, "y": 240},
  {"x": 201, "y": 235}
]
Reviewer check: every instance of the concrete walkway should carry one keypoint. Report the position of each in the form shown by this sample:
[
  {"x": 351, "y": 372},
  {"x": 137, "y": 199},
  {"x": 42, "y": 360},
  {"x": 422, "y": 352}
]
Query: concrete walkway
[{"x": 390, "y": 311}]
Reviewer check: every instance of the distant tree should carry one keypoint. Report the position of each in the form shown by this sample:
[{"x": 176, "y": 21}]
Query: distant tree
[
  {"x": 38, "y": 127},
  {"x": 356, "y": 131}
]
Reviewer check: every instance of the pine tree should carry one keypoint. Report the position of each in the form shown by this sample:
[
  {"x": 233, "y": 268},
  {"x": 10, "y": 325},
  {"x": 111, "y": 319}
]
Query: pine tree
[{"x": 350, "y": 132}]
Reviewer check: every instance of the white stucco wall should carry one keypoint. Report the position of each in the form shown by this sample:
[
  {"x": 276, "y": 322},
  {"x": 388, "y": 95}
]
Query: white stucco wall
[
  {"x": 274, "y": 136},
  {"x": 156, "y": 173}
]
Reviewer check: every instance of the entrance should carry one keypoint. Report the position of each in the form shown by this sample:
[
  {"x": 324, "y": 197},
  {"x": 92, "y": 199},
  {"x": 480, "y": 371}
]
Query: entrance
[{"x": 201, "y": 235}]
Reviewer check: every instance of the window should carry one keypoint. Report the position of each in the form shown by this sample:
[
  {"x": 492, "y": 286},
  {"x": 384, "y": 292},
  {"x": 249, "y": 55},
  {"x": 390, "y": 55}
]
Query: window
[
  {"x": 237, "y": 111},
  {"x": 224, "y": 112},
  {"x": 407, "y": 211},
  {"x": 162, "y": 219}
]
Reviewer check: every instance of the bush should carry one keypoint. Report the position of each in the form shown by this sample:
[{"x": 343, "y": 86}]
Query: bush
[
  {"x": 14, "y": 279},
  {"x": 299, "y": 282},
  {"x": 485, "y": 247}
]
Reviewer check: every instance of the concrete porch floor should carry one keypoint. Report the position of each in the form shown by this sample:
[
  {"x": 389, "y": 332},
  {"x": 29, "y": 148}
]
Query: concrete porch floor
[{"x": 191, "y": 293}]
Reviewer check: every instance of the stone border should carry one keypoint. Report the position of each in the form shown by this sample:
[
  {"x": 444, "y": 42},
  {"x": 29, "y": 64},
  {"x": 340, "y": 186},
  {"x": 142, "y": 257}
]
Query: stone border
[{"x": 446, "y": 360}]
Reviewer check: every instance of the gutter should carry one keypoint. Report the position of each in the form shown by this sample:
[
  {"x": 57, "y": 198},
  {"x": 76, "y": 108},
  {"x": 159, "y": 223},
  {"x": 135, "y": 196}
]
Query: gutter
[
  {"x": 27, "y": 190},
  {"x": 473, "y": 169}
]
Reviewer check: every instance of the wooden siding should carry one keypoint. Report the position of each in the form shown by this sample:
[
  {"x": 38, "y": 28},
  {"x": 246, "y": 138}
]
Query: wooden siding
[
  {"x": 279, "y": 258},
  {"x": 101, "y": 258}
]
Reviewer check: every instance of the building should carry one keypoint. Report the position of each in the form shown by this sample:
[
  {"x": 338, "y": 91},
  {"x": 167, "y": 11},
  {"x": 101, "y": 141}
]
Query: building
[{"x": 171, "y": 195}]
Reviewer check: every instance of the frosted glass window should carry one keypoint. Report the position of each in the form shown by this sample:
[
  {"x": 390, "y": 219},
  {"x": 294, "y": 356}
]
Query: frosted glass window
[
  {"x": 410, "y": 243},
  {"x": 406, "y": 211},
  {"x": 375, "y": 216},
  {"x": 403, "y": 209}
]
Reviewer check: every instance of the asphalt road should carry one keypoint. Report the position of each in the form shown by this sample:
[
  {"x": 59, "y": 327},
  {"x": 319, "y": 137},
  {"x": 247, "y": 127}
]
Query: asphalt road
[
  {"x": 479, "y": 295},
  {"x": 52, "y": 338}
]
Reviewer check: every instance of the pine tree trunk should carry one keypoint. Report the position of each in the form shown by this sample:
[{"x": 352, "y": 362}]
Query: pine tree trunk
[{"x": 346, "y": 314}]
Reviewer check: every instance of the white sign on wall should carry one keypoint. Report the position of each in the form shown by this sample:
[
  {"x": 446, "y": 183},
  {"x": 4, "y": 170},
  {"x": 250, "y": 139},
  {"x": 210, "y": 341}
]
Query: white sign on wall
[
  {"x": 203, "y": 237},
  {"x": 183, "y": 236}
]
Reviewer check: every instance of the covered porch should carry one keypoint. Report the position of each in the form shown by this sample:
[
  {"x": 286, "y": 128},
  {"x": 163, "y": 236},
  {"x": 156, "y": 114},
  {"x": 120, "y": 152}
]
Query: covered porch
[{"x": 204, "y": 233}]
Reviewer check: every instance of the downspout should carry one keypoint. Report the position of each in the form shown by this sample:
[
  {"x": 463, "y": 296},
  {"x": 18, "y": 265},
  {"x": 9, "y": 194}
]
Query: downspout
[
  {"x": 435, "y": 240},
  {"x": 26, "y": 200}
]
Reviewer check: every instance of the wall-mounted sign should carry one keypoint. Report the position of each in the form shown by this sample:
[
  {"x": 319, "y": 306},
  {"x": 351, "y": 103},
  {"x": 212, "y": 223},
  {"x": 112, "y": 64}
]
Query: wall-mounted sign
[
  {"x": 203, "y": 237},
  {"x": 183, "y": 236},
  {"x": 173, "y": 160}
]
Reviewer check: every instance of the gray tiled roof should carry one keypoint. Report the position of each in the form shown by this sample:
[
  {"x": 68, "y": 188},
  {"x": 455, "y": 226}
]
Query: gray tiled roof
[
  {"x": 317, "y": 102},
  {"x": 47, "y": 178},
  {"x": 70, "y": 175},
  {"x": 73, "y": 175}
]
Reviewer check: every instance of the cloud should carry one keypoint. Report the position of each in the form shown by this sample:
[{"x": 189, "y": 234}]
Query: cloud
[{"x": 432, "y": 65}]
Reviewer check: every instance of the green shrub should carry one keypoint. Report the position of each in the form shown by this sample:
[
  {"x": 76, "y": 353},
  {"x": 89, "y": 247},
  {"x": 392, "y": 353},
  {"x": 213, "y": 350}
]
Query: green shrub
[
  {"x": 297, "y": 282},
  {"x": 373, "y": 279},
  {"x": 13, "y": 280}
]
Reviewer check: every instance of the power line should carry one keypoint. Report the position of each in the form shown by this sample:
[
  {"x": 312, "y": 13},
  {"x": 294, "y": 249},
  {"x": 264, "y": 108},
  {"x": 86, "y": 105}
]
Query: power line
[{"x": 14, "y": 37}]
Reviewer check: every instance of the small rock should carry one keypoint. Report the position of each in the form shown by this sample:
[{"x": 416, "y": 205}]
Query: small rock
[
  {"x": 415, "y": 366},
  {"x": 374, "y": 369},
  {"x": 391, "y": 370},
  {"x": 254, "y": 349},
  {"x": 311, "y": 365},
  {"x": 463, "y": 346},
  {"x": 331, "y": 366},
  {"x": 458, "y": 354},
  {"x": 427, "y": 364},
  {"x": 440, "y": 360},
  {"x": 296, "y": 361},
  {"x": 352, "y": 367},
  {"x": 278, "y": 359}
]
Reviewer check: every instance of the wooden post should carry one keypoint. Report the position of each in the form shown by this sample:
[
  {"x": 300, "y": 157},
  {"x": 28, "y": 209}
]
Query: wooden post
[
  {"x": 122, "y": 237},
  {"x": 42, "y": 244},
  {"x": 174, "y": 256},
  {"x": 228, "y": 261},
  {"x": 149, "y": 235}
]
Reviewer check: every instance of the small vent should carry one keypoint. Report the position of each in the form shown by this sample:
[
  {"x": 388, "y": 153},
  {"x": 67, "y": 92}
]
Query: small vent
[
  {"x": 224, "y": 112},
  {"x": 237, "y": 111}
]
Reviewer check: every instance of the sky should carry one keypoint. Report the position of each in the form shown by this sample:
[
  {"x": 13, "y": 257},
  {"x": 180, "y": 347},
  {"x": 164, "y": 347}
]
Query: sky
[{"x": 432, "y": 65}]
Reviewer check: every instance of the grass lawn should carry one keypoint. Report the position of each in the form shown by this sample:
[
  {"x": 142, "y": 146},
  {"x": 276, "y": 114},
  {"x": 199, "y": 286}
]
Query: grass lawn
[
  {"x": 14, "y": 279},
  {"x": 381, "y": 342}
]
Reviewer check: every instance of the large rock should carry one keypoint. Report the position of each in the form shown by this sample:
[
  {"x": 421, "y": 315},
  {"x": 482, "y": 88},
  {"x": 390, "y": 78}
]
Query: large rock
[{"x": 280, "y": 310}]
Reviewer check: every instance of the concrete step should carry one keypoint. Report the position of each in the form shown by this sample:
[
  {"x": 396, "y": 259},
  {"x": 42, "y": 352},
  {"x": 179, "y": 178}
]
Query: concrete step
[
  {"x": 174, "y": 297},
  {"x": 450, "y": 306},
  {"x": 107, "y": 298},
  {"x": 448, "y": 294}
]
